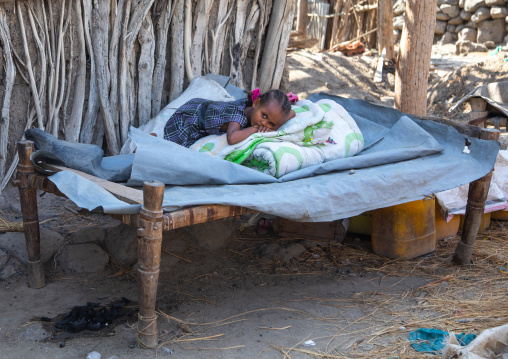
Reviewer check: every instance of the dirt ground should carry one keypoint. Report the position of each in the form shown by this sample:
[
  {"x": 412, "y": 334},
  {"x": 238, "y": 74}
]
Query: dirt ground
[
  {"x": 451, "y": 77},
  {"x": 234, "y": 303}
]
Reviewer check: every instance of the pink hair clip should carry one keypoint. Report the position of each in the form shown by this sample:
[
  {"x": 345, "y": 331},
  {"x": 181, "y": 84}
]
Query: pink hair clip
[
  {"x": 255, "y": 94},
  {"x": 292, "y": 97}
]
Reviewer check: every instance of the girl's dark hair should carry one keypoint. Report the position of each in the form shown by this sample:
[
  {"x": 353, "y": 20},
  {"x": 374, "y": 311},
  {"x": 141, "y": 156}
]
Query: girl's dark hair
[{"x": 272, "y": 95}]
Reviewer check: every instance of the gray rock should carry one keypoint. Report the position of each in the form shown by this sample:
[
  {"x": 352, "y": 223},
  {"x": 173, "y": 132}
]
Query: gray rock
[
  {"x": 506, "y": 38},
  {"x": 465, "y": 15},
  {"x": 369, "y": 98},
  {"x": 465, "y": 47},
  {"x": 87, "y": 257},
  {"x": 15, "y": 244},
  {"x": 446, "y": 39},
  {"x": 122, "y": 243},
  {"x": 15, "y": 207},
  {"x": 273, "y": 250},
  {"x": 490, "y": 44},
  {"x": 455, "y": 21},
  {"x": 12, "y": 267},
  {"x": 4, "y": 258},
  {"x": 10, "y": 270},
  {"x": 498, "y": 12},
  {"x": 471, "y": 24},
  {"x": 503, "y": 140},
  {"x": 481, "y": 14},
  {"x": 473, "y": 5},
  {"x": 440, "y": 27},
  {"x": 397, "y": 34},
  {"x": 442, "y": 16},
  {"x": 88, "y": 234},
  {"x": 461, "y": 3},
  {"x": 494, "y": 2},
  {"x": 213, "y": 235},
  {"x": 270, "y": 250},
  {"x": 506, "y": 19},
  {"x": 451, "y": 2},
  {"x": 399, "y": 7},
  {"x": 459, "y": 28},
  {"x": 391, "y": 79},
  {"x": 506, "y": 27},
  {"x": 398, "y": 22},
  {"x": 292, "y": 251},
  {"x": 468, "y": 34},
  {"x": 450, "y": 29},
  {"x": 491, "y": 31},
  {"x": 450, "y": 10}
]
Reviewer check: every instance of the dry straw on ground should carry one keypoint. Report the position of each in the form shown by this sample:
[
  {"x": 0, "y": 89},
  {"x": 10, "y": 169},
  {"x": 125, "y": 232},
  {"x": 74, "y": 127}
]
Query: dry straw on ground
[{"x": 455, "y": 299}]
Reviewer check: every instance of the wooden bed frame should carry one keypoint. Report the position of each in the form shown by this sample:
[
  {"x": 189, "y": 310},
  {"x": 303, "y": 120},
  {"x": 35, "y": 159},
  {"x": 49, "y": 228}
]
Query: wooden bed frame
[{"x": 151, "y": 221}]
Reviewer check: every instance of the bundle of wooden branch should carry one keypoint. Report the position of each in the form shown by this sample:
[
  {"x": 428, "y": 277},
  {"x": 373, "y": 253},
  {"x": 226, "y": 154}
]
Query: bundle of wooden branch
[
  {"x": 354, "y": 20},
  {"x": 95, "y": 68},
  {"x": 8, "y": 226}
]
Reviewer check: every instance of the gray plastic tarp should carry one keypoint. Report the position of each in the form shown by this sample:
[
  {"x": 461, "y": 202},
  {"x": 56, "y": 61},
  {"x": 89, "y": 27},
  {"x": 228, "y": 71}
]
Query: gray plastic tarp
[{"x": 405, "y": 159}]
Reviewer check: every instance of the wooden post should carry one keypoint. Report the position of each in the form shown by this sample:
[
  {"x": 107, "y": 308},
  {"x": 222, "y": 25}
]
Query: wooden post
[
  {"x": 478, "y": 107},
  {"x": 276, "y": 43},
  {"x": 329, "y": 24},
  {"x": 149, "y": 257},
  {"x": 28, "y": 201},
  {"x": 476, "y": 197},
  {"x": 413, "y": 63},
  {"x": 385, "y": 28},
  {"x": 335, "y": 23},
  {"x": 302, "y": 17}
]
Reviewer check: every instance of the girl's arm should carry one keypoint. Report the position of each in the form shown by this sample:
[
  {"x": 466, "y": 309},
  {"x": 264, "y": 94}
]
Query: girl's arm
[{"x": 236, "y": 134}]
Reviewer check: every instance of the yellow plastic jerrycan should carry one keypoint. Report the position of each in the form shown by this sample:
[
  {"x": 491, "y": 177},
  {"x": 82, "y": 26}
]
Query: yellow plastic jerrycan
[
  {"x": 406, "y": 230},
  {"x": 444, "y": 229}
]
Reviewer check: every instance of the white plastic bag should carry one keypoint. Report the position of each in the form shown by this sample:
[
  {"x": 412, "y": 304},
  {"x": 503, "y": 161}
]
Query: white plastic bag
[
  {"x": 93, "y": 355},
  {"x": 490, "y": 344},
  {"x": 453, "y": 201}
]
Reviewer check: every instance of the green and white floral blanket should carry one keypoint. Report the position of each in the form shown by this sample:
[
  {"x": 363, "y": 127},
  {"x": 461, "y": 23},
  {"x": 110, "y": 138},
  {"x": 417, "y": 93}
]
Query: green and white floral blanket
[{"x": 320, "y": 132}]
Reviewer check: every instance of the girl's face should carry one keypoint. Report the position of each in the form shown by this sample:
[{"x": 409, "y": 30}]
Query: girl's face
[{"x": 269, "y": 115}]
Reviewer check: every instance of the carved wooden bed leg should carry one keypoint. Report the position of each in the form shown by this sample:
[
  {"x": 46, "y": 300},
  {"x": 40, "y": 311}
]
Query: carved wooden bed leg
[
  {"x": 149, "y": 256},
  {"x": 477, "y": 195},
  {"x": 28, "y": 201}
]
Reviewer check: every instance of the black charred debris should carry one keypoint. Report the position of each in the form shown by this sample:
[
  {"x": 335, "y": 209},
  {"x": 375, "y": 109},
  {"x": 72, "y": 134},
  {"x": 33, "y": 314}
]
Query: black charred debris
[{"x": 91, "y": 317}]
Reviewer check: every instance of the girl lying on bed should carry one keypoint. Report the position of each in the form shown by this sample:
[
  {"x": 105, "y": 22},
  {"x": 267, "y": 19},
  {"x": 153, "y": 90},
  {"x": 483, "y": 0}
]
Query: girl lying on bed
[{"x": 198, "y": 118}]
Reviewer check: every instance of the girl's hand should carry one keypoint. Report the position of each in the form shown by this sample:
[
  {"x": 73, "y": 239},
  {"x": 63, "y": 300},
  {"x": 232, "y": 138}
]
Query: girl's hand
[
  {"x": 263, "y": 129},
  {"x": 236, "y": 134}
]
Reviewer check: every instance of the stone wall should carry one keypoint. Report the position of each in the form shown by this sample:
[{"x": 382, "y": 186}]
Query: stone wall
[{"x": 474, "y": 25}]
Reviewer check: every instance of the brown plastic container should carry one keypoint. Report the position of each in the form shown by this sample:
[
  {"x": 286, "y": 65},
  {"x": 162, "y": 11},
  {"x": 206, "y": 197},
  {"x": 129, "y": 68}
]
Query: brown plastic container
[{"x": 404, "y": 231}]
